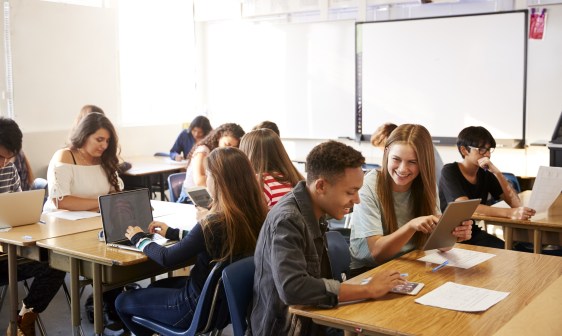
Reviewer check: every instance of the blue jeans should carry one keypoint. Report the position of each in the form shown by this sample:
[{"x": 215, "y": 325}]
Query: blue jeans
[{"x": 170, "y": 301}]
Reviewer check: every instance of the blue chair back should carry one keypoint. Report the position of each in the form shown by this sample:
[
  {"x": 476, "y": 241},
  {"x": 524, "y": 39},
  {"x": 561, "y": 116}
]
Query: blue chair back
[
  {"x": 238, "y": 282},
  {"x": 512, "y": 179},
  {"x": 175, "y": 182},
  {"x": 204, "y": 311},
  {"x": 338, "y": 252}
]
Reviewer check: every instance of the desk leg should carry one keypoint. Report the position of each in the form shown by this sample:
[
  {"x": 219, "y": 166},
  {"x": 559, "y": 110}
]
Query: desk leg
[
  {"x": 537, "y": 241},
  {"x": 162, "y": 185},
  {"x": 97, "y": 294},
  {"x": 508, "y": 237},
  {"x": 75, "y": 296},
  {"x": 13, "y": 288}
]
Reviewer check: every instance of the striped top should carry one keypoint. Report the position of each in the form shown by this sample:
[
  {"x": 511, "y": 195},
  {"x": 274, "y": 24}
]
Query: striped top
[
  {"x": 9, "y": 179},
  {"x": 273, "y": 190}
]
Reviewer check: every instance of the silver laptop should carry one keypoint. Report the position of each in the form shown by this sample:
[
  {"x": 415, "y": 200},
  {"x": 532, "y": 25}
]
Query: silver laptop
[
  {"x": 124, "y": 209},
  {"x": 21, "y": 208},
  {"x": 454, "y": 214}
]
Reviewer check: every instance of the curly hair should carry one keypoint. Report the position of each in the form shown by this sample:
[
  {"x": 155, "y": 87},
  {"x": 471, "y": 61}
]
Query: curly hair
[
  {"x": 330, "y": 159},
  {"x": 378, "y": 139},
  {"x": 212, "y": 139},
  {"x": 10, "y": 135},
  {"x": 109, "y": 160}
]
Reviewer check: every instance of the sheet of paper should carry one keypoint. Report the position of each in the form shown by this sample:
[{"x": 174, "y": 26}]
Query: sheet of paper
[
  {"x": 457, "y": 257},
  {"x": 546, "y": 189},
  {"x": 73, "y": 215},
  {"x": 462, "y": 298}
]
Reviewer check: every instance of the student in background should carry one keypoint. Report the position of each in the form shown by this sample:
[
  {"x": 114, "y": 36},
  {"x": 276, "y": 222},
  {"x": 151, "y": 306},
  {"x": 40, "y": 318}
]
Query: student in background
[
  {"x": 47, "y": 281},
  {"x": 198, "y": 129},
  {"x": 378, "y": 139},
  {"x": 291, "y": 249},
  {"x": 27, "y": 179},
  {"x": 399, "y": 204},
  {"x": 86, "y": 168},
  {"x": 477, "y": 177},
  {"x": 271, "y": 163},
  {"x": 226, "y": 135},
  {"x": 269, "y": 125},
  {"x": 228, "y": 232}
]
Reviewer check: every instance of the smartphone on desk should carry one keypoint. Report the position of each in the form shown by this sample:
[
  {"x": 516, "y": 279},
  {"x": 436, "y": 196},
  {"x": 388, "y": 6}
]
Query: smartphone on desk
[
  {"x": 409, "y": 288},
  {"x": 200, "y": 197}
]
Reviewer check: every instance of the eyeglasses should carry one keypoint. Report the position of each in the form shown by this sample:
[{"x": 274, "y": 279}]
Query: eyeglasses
[{"x": 483, "y": 150}]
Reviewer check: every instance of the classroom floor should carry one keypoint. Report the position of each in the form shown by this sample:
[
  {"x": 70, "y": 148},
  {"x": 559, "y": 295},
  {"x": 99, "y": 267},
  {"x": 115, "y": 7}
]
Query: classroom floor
[{"x": 56, "y": 318}]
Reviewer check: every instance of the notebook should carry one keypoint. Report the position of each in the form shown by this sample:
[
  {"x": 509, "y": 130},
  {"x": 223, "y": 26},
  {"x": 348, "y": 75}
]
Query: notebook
[
  {"x": 124, "y": 209},
  {"x": 21, "y": 208},
  {"x": 454, "y": 214}
]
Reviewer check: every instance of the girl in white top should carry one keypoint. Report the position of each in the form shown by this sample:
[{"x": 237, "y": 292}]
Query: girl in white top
[
  {"x": 399, "y": 204},
  {"x": 87, "y": 168},
  {"x": 226, "y": 135}
]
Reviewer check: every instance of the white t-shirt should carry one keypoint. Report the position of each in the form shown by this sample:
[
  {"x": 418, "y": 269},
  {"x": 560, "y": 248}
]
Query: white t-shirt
[
  {"x": 76, "y": 180},
  {"x": 189, "y": 182},
  {"x": 366, "y": 220}
]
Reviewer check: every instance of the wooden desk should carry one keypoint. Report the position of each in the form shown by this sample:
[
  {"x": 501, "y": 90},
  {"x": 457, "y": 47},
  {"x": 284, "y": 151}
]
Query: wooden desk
[
  {"x": 22, "y": 240},
  {"x": 144, "y": 167},
  {"x": 524, "y": 275},
  {"x": 540, "y": 317},
  {"x": 546, "y": 227},
  {"x": 83, "y": 254}
]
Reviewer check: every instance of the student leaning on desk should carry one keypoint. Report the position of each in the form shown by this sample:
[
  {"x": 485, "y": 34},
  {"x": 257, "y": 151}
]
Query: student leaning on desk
[
  {"x": 86, "y": 168},
  {"x": 476, "y": 177},
  {"x": 291, "y": 259},
  {"x": 399, "y": 204},
  {"x": 47, "y": 281},
  {"x": 228, "y": 232}
]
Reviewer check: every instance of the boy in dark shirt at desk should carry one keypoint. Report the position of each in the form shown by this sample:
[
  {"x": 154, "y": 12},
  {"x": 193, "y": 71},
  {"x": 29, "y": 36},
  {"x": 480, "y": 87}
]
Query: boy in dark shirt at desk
[
  {"x": 47, "y": 280},
  {"x": 476, "y": 177}
]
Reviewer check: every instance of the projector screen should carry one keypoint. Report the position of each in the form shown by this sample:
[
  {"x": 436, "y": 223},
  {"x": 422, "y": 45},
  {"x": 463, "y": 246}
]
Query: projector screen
[{"x": 445, "y": 73}]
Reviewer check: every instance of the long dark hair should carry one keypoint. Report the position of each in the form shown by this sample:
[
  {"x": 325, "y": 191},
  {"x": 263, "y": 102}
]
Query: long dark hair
[
  {"x": 89, "y": 125},
  {"x": 202, "y": 122},
  {"x": 238, "y": 207}
]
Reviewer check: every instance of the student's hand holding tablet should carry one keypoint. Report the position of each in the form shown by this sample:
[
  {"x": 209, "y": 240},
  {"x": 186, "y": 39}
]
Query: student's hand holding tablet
[{"x": 464, "y": 231}]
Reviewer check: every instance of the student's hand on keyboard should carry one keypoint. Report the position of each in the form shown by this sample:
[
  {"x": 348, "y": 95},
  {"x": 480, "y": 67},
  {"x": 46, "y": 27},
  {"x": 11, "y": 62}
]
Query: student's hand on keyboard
[
  {"x": 131, "y": 231},
  {"x": 158, "y": 227}
]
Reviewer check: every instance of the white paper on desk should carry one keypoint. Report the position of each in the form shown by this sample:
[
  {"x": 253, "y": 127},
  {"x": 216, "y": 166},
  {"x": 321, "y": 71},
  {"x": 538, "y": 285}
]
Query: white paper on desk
[
  {"x": 457, "y": 257},
  {"x": 174, "y": 162},
  {"x": 546, "y": 188},
  {"x": 462, "y": 298},
  {"x": 501, "y": 204},
  {"x": 73, "y": 215}
]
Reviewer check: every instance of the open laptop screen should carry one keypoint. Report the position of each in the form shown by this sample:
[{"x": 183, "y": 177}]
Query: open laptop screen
[{"x": 120, "y": 210}]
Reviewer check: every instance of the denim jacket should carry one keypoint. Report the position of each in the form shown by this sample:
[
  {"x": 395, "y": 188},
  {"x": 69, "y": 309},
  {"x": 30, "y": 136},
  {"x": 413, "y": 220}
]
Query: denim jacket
[{"x": 288, "y": 261}]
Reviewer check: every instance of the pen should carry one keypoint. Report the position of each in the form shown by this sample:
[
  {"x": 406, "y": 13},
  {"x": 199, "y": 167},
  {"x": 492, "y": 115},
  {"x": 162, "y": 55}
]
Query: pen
[{"x": 437, "y": 268}]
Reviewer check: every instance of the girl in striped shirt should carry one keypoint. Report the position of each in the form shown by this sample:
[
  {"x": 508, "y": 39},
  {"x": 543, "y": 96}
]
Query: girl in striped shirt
[{"x": 272, "y": 165}]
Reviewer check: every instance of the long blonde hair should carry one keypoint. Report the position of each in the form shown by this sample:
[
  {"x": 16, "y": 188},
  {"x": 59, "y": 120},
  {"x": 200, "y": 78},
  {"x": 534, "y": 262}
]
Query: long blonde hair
[
  {"x": 423, "y": 189},
  {"x": 238, "y": 208},
  {"x": 267, "y": 155}
]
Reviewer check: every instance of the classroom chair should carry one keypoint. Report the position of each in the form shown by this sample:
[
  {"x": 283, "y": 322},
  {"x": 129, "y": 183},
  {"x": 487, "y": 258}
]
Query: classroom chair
[
  {"x": 512, "y": 179},
  {"x": 175, "y": 182},
  {"x": 238, "y": 282},
  {"x": 340, "y": 257},
  {"x": 204, "y": 318}
]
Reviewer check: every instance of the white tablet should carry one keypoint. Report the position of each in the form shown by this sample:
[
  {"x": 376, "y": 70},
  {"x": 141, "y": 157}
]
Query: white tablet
[{"x": 454, "y": 214}]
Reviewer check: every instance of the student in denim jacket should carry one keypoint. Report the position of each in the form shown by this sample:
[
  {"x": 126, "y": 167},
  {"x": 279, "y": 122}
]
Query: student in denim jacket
[{"x": 292, "y": 266}]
